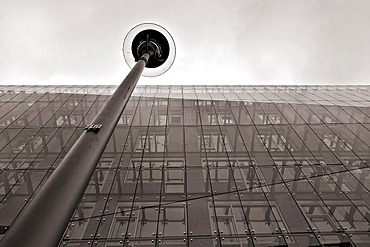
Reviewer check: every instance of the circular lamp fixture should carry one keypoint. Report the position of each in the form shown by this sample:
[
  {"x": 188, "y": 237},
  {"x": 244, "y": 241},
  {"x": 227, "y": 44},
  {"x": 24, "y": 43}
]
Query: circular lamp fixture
[{"x": 153, "y": 39}]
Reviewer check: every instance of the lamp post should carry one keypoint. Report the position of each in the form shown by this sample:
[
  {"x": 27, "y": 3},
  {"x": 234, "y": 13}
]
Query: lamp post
[{"x": 43, "y": 222}]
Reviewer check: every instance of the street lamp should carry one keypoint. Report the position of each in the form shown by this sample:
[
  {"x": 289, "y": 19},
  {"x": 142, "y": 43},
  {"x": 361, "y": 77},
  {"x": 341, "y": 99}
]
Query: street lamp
[{"x": 43, "y": 222}]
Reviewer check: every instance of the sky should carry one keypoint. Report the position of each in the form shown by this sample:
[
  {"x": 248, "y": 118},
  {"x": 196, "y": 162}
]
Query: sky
[{"x": 217, "y": 41}]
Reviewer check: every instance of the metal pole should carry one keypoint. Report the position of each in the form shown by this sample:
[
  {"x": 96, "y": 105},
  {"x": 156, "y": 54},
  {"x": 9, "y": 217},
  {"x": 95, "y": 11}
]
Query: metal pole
[{"x": 43, "y": 222}]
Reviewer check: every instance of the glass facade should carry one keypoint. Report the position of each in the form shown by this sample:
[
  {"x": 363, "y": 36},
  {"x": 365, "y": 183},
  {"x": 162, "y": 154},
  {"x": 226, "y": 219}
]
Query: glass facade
[{"x": 199, "y": 165}]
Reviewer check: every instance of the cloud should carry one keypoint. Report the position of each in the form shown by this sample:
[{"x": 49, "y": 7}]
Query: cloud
[
  {"x": 218, "y": 41},
  {"x": 313, "y": 41}
]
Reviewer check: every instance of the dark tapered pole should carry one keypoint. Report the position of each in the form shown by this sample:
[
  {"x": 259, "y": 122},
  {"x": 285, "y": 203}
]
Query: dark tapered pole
[{"x": 44, "y": 220}]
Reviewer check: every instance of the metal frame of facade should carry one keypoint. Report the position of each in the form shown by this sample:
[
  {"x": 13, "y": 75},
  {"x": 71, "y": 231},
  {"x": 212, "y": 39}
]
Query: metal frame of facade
[{"x": 199, "y": 165}]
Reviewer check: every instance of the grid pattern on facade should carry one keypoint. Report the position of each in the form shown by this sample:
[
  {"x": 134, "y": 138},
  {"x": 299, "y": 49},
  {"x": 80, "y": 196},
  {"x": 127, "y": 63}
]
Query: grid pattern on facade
[{"x": 199, "y": 165}]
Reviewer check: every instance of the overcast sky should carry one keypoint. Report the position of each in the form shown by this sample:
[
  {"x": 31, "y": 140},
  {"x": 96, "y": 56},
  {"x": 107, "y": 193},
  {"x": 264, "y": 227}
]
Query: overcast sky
[{"x": 218, "y": 41}]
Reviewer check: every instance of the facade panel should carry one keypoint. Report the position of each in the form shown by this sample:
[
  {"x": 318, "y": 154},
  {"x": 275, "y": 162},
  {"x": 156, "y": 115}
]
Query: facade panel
[{"x": 199, "y": 165}]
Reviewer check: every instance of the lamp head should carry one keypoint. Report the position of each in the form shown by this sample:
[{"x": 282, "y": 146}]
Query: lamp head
[{"x": 153, "y": 39}]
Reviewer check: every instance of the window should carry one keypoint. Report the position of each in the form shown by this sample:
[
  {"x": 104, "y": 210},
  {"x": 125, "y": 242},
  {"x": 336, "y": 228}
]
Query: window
[
  {"x": 174, "y": 178},
  {"x": 176, "y": 119},
  {"x": 123, "y": 222}
]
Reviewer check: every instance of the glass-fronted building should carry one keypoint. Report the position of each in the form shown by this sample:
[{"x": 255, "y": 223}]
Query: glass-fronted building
[{"x": 199, "y": 165}]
